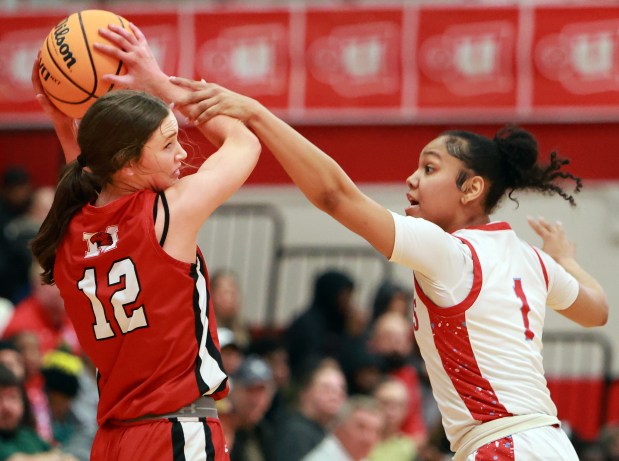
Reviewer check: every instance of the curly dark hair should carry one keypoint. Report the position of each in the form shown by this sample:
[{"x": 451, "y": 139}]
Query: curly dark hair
[{"x": 510, "y": 162}]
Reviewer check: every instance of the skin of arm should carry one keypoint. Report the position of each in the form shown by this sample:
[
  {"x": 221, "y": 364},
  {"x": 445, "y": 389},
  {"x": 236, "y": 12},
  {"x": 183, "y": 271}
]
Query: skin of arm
[
  {"x": 590, "y": 309},
  {"x": 316, "y": 174},
  {"x": 65, "y": 126}
]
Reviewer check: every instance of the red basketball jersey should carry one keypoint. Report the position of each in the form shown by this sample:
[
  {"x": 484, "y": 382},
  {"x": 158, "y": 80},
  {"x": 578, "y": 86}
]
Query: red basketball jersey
[{"x": 144, "y": 318}]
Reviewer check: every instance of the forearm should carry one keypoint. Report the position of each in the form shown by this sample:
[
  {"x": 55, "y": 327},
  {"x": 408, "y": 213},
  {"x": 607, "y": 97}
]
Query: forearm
[
  {"x": 67, "y": 135},
  {"x": 160, "y": 85},
  {"x": 222, "y": 127},
  {"x": 316, "y": 174},
  {"x": 582, "y": 276},
  {"x": 237, "y": 146}
]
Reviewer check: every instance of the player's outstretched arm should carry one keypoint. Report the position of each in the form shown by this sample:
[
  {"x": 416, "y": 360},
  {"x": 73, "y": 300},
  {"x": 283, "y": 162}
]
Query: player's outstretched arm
[
  {"x": 318, "y": 176},
  {"x": 590, "y": 308},
  {"x": 227, "y": 169},
  {"x": 65, "y": 126}
]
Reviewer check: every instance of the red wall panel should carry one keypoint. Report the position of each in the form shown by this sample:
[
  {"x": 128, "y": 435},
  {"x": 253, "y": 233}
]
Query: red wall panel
[{"x": 383, "y": 153}]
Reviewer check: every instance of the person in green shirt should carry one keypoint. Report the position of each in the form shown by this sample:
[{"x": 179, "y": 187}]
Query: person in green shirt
[{"x": 18, "y": 440}]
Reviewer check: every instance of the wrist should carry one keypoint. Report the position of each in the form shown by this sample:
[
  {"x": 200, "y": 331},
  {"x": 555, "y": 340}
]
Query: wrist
[
  {"x": 256, "y": 114},
  {"x": 567, "y": 261},
  {"x": 159, "y": 85}
]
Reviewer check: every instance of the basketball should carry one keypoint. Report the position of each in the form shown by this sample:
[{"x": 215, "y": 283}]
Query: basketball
[{"x": 70, "y": 68}]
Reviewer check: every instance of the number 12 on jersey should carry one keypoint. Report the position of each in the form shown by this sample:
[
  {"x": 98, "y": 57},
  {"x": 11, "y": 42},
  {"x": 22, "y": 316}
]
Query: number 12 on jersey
[{"x": 122, "y": 297}]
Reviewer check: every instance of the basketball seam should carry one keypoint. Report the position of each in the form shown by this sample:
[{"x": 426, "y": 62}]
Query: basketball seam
[
  {"x": 120, "y": 61},
  {"x": 92, "y": 63}
]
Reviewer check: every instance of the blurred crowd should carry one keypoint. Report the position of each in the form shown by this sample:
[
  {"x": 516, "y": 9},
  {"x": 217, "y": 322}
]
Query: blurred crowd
[{"x": 339, "y": 382}]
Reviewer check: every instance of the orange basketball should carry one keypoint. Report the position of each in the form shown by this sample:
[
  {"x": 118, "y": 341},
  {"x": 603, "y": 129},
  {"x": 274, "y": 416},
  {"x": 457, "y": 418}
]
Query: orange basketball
[{"x": 70, "y": 68}]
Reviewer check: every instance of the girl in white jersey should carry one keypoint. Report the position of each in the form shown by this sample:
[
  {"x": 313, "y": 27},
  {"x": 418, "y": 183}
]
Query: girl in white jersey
[{"x": 481, "y": 292}]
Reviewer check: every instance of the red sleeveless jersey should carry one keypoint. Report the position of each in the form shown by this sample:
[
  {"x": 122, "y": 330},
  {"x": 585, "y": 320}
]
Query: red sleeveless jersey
[{"x": 144, "y": 318}]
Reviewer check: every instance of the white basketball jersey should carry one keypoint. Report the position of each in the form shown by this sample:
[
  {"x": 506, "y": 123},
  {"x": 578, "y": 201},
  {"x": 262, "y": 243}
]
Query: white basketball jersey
[{"x": 483, "y": 355}]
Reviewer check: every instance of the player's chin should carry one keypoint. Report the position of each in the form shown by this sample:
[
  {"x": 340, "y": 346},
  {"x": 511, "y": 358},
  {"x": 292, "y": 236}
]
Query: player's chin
[{"x": 413, "y": 211}]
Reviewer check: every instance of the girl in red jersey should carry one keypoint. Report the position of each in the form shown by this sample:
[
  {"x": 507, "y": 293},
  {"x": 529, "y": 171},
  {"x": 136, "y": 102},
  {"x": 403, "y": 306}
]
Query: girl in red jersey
[
  {"x": 481, "y": 292},
  {"x": 120, "y": 243}
]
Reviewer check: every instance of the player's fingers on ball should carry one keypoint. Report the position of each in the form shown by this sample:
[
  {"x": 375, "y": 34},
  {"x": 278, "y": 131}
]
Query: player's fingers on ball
[
  {"x": 118, "y": 40},
  {"x": 137, "y": 32},
  {"x": 127, "y": 35},
  {"x": 108, "y": 50},
  {"x": 116, "y": 80}
]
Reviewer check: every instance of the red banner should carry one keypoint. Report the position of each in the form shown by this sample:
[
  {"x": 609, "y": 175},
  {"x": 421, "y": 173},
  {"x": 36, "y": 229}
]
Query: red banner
[
  {"x": 576, "y": 60},
  {"x": 21, "y": 37},
  {"x": 353, "y": 61},
  {"x": 467, "y": 59},
  {"x": 246, "y": 51},
  {"x": 372, "y": 63}
]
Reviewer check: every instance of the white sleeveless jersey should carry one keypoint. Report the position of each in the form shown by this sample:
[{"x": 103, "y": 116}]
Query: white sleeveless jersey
[{"x": 483, "y": 353}]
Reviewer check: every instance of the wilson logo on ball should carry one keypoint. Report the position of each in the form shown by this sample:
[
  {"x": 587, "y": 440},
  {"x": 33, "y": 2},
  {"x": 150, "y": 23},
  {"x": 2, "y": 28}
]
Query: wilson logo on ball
[{"x": 59, "y": 34}]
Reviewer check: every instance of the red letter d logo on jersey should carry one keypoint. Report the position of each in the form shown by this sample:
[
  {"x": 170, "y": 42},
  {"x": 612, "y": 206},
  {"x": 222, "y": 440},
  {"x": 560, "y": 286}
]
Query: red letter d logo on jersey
[{"x": 101, "y": 242}]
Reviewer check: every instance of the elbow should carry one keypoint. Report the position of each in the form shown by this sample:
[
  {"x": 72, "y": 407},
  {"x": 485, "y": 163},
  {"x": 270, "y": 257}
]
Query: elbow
[
  {"x": 601, "y": 317},
  {"x": 250, "y": 141},
  {"x": 254, "y": 147},
  {"x": 329, "y": 201}
]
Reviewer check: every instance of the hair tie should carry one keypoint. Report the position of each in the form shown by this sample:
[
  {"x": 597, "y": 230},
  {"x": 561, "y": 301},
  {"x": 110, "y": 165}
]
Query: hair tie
[{"x": 81, "y": 161}]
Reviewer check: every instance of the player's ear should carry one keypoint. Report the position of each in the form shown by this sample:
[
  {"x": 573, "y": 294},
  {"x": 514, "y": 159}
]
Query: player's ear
[
  {"x": 472, "y": 189},
  {"x": 129, "y": 169}
]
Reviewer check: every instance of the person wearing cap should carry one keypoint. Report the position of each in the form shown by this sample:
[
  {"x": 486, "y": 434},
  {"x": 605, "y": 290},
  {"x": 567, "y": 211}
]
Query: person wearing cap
[
  {"x": 248, "y": 434},
  {"x": 231, "y": 353},
  {"x": 62, "y": 374}
]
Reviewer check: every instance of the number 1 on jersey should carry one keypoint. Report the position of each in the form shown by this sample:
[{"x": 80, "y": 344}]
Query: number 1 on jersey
[{"x": 525, "y": 309}]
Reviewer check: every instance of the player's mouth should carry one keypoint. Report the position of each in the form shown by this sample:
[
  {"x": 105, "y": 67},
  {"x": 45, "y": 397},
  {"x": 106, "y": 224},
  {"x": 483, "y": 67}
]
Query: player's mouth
[{"x": 414, "y": 205}]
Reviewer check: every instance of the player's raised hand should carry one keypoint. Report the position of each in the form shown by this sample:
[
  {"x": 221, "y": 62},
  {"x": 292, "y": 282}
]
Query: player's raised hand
[
  {"x": 143, "y": 71},
  {"x": 555, "y": 241},
  {"x": 206, "y": 100},
  {"x": 65, "y": 126}
]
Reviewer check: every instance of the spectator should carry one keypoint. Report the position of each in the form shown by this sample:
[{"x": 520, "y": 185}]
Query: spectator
[
  {"x": 272, "y": 350},
  {"x": 249, "y": 436},
  {"x": 321, "y": 330},
  {"x": 231, "y": 354},
  {"x": 610, "y": 442},
  {"x": 321, "y": 395},
  {"x": 43, "y": 314},
  {"x": 394, "y": 445},
  {"x": 21, "y": 230},
  {"x": 392, "y": 340},
  {"x": 11, "y": 358},
  {"x": 363, "y": 369},
  {"x": 84, "y": 408},
  {"x": 356, "y": 432},
  {"x": 15, "y": 199},
  {"x": 18, "y": 439},
  {"x": 27, "y": 344},
  {"x": 391, "y": 297},
  {"x": 61, "y": 372},
  {"x": 227, "y": 301}
]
